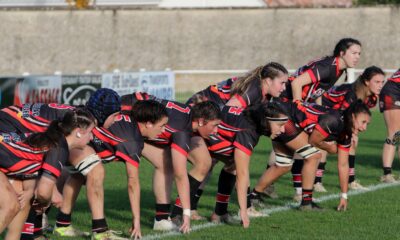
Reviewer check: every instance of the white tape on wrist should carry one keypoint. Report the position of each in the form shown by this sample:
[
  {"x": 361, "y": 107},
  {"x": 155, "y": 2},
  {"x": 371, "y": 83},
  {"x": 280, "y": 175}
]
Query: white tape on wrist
[
  {"x": 343, "y": 195},
  {"x": 186, "y": 212}
]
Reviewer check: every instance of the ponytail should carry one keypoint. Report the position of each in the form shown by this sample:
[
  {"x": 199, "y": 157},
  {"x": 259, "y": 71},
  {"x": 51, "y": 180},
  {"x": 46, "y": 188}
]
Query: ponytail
[{"x": 58, "y": 129}]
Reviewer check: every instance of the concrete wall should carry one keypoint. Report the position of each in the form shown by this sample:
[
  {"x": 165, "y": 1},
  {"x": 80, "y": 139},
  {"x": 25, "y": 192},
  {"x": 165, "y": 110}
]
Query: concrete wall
[{"x": 73, "y": 41}]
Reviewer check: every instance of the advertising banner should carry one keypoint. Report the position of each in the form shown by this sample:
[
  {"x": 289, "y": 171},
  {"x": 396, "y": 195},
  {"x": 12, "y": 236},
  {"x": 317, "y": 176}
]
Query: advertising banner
[{"x": 76, "y": 89}]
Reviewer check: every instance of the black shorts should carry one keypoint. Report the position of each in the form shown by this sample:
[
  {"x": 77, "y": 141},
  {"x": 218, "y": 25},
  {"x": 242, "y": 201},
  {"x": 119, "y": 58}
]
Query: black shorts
[
  {"x": 291, "y": 132},
  {"x": 389, "y": 98}
]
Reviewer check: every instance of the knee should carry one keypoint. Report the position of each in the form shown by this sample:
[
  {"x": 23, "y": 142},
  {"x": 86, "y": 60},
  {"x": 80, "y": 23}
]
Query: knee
[
  {"x": 12, "y": 207},
  {"x": 203, "y": 167},
  {"x": 315, "y": 158},
  {"x": 96, "y": 176}
]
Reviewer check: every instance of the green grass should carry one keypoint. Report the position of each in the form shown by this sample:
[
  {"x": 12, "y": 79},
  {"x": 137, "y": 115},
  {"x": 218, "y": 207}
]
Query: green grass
[{"x": 371, "y": 215}]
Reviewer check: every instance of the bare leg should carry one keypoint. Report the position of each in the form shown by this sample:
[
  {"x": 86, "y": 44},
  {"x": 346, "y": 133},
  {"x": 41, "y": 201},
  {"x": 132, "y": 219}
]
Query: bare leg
[
  {"x": 9, "y": 206},
  {"x": 17, "y": 224}
]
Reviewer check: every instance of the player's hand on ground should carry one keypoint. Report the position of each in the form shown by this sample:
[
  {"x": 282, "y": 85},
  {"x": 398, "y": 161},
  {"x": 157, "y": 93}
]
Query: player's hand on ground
[
  {"x": 245, "y": 218},
  {"x": 185, "y": 227},
  {"x": 342, "y": 205},
  {"x": 135, "y": 231}
]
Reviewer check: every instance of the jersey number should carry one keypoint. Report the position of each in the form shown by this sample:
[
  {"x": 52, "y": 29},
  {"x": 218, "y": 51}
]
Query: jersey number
[
  {"x": 172, "y": 105},
  {"x": 235, "y": 110},
  {"x": 121, "y": 117},
  {"x": 60, "y": 106}
]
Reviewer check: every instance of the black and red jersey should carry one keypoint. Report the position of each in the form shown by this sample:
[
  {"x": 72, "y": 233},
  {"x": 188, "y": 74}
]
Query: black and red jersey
[
  {"x": 178, "y": 130},
  {"x": 28, "y": 118},
  {"x": 395, "y": 77},
  {"x": 328, "y": 122},
  {"x": 121, "y": 141},
  {"x": 234, "y": 131},
  {"x": 323, "y": 72},
  {"x": 221, "y": 93},
  {"x": 342, "y": 96},
  {"x": 389, "y": 97},
  {"x": 19, "y": 160}
]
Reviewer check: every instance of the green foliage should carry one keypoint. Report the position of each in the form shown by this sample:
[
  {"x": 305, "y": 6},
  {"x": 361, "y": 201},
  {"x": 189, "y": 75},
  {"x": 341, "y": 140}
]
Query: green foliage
[{"x": 374, "y": 2}]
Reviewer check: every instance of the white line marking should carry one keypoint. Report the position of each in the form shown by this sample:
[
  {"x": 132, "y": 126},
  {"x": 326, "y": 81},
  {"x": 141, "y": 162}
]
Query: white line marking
[{"x": 287, "y": 206}]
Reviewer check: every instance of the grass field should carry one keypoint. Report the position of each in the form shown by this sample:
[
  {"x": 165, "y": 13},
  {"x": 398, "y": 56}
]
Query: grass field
[{"x": 371, "y": 215}]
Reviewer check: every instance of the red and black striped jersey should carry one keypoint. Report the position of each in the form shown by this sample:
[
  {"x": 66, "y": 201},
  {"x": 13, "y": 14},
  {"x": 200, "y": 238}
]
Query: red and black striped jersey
[
  {"x": 28, "y": 118},
  {"x": 178, "y": 130},
  {"x": 328, "y": 122},
  {"x": 234, "y": 131},
  {"x": 221, "y": 93},
  {"x": 342, "y": 96},
  {"x": 18, "y": 159},
  {"x": 121, "y": 141},
  {"x": 323, "y": 72},
  {"x": 395, "y": 77}
]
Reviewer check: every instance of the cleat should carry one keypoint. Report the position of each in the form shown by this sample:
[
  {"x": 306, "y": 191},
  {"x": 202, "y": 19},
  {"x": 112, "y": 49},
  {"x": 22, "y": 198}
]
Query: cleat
[
  {"x": 355, "y": 185},
  {"x": 388, "y": 178},
  {"x": 226, "y": 218},
  {"x": 195, "y": 216},
  {"x": 310, "y": 207},
  {"x": 108, "y": 235},
  {"x": 270, "y": 192},
  {"x": 164, "y": 225},
  {"x": 297, "y": 197},
  {"x": 318, "y": 187},
  {"x": 257, "y": 201},
  {"x": 45, "y": 223},
  {"x": 69, "y": 232},
  {"x": 253, "y": 213}
]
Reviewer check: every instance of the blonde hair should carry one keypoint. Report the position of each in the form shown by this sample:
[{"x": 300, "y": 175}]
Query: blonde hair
[{"x": 270, "y": 70}]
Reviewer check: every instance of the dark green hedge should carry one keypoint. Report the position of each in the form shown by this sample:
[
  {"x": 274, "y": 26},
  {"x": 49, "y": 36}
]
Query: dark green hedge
[{"x": 373, "y": 2}]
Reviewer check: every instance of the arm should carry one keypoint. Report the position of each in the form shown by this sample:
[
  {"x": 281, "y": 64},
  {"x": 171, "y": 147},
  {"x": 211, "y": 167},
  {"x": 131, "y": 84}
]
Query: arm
[
  {"x": 316, "y": 139},
  {"x": 242, "y": 161},
  {"x": 298, "y": 83},
  {"x": 343, "y": 169},
  {"x": 182, "y": 183},
  {"x": 134, "y": 198}
]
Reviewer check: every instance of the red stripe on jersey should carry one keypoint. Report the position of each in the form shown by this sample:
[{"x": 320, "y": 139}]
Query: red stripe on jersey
[
  {"x": 42, "y": 119},
  {"x": 396, "y": 80},
  {"x": 105, "y": 154},
  {"x": 226, "y": 133},
  {"x": 243, "y": 148},
  {"x": 321, "y": 130},
  {"x": 127, "y": 158},
  {"x": 51, "y": 169},
  {"x": 219, "y": 146},
  {"x": 179, "y": 149},
  {"x": 229, "y": 126},
  {"x": 25, "y": 123},
  {"x": 104, "y": 137},
  {"x": 126, "y": 108},
  {"x": 24, "y": 152},
  {"x": 344, "y": 148},
  {"x": 222, "y": 198},
  {"x": 225, "y": 96},
  {"x": 19, "y": 165},
  {"x": 312, "y": 76},
  {"x": 241, "y": 100}
]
